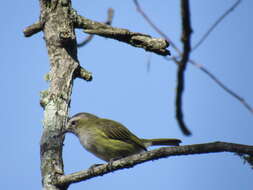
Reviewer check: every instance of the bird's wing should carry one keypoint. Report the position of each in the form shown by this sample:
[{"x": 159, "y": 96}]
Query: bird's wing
[{"x": 115, "y": 130}]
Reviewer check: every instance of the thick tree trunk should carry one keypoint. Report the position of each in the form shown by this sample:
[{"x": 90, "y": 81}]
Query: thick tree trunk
[{"x": 62, "y": 50}]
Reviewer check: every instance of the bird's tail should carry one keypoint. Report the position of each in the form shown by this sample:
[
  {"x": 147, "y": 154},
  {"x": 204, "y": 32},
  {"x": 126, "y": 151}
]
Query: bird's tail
[{"x": 161, "y": 142}]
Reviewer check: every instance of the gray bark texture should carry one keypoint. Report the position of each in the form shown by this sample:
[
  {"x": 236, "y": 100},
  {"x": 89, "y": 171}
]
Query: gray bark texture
[{"x": 60, "y": 40}]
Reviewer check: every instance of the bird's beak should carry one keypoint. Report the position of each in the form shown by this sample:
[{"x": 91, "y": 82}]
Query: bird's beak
[
  {"x": 68, "y": 128},
  {"x": 62, "y": 133}
]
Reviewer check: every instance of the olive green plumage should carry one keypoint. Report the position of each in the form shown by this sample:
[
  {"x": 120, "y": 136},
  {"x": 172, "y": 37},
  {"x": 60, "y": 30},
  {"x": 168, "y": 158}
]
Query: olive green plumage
[{"x": 108, "y": 139}]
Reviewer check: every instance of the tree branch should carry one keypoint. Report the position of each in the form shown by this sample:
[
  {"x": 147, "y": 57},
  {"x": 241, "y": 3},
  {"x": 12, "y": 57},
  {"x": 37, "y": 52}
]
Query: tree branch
[
  {"x": 223, "y": 86},
  {"x": 33, "y": 29},
  {"x": 186, "y": 40},
  {"x": 85, "y": 41},
  {"x": 208, "y": 32},
  {"x": 164, "y": 152},
  {"x": 110, "y": 14},
  {"x": 155, "y": 45},
  {"x": 83, "y": 74}
]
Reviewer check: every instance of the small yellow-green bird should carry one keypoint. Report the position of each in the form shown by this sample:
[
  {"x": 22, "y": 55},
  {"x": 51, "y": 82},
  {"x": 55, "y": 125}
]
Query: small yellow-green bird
[{"x": 108, "y": 139}]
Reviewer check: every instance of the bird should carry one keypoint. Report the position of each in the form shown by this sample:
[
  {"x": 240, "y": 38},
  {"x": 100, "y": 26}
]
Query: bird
[{"x": 110, "y": 140}]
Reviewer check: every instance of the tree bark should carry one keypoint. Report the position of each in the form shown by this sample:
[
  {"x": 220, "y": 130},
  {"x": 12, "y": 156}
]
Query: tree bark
[{"x": 60, "y": 40}]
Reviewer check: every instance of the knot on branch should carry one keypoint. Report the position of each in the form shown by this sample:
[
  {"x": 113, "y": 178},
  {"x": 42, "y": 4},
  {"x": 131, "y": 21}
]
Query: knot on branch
[
  {"x": 44, "y": 98},
  {"x": 66, "y": 36},
  {"x": 65, "y": 3}
]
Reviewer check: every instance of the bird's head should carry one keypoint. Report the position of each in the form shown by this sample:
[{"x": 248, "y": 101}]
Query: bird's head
[{"x": 78, "y": 120}]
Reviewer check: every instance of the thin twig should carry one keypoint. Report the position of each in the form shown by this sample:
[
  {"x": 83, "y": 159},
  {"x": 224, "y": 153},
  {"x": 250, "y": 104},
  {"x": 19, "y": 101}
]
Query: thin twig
[
  {"x": 149, "y": 62},
  {"x": 139, "y": 9},
  {"x": 108, "y": 21},
  {"x": 85, "y": 41},
  {"x": 223, "y": 86},
  {"x": 181, "y": 67},
  {"x": 215, "y": 24},
  {"x": 216, "y": 80}
]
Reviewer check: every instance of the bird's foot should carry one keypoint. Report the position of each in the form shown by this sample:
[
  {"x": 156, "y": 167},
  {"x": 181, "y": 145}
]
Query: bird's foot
[{"x": 91, "y": 169}]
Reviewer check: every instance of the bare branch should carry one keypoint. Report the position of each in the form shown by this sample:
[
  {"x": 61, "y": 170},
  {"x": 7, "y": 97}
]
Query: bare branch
[
  {"x": 110, "y": 14},
  {"x": 85, "y": 41},
  {"x": 164, "y": 152},
  {"x": 33, "y": 29},
  {"x": 186, "y": 40},
  {"x": 83, "y": 74},
  {"x": 203, "y": 38},
  {"x": 155, "y": 45}
]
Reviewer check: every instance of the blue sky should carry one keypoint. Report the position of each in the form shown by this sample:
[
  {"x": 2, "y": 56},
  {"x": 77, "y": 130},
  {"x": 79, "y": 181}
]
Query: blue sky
[{"x": 125, "y": 91}]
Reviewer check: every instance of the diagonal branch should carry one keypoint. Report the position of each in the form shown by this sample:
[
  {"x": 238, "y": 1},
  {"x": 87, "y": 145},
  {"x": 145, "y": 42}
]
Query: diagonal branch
[
  {"x": 155, "y": 45},
  {"x": 85, "y": 41},
  {"x": 218, "y": 21},
  {"x": 164, "y": 152},
  {"x": 223, "y": 86}
]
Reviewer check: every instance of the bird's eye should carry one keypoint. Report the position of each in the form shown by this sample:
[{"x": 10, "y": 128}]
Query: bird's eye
[{"x": 73, "y": 123}]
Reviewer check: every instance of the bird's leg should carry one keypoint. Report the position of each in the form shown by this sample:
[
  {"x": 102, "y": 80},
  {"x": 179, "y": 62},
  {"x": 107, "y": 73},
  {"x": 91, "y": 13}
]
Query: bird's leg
[
  {"x": 92, "y": 167},
  {"x": 109, "y": 164}
]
